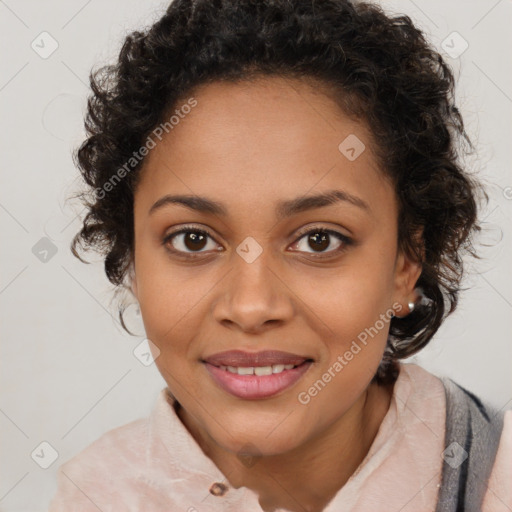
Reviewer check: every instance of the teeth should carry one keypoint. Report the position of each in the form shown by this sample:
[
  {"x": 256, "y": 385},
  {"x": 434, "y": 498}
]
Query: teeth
[
  {"x": 263, "y": 370},
  {"x": 258, "y": 370}
]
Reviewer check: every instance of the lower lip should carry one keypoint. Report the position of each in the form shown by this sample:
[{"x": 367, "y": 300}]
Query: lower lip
[{"x": 253, "y": 387}]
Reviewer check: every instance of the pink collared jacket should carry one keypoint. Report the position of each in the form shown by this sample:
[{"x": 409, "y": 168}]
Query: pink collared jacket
[{"x": 155, "y": 465}]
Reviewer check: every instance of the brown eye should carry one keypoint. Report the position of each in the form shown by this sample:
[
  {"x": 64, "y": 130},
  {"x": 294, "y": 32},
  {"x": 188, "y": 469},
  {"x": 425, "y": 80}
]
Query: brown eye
[
  {"x": 319, "y": 240},
  {"x": 194, "y": 241},
  {"x": 189, "y": 241}
]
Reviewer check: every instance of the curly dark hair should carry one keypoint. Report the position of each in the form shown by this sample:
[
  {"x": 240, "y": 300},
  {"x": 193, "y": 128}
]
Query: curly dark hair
[{"x": 380, "y": 70}]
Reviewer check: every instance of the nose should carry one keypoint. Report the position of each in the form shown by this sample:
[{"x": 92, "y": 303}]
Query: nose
[{"x": 253, "y": 296}]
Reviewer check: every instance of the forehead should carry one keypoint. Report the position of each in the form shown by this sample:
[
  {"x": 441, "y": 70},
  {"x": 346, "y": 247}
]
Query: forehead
[{"x": 265, "y": 140}]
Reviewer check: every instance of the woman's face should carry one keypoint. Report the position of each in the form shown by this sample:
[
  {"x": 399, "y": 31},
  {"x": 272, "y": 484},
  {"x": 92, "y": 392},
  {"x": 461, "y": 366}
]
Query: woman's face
[{"x": 279, "y": 277}]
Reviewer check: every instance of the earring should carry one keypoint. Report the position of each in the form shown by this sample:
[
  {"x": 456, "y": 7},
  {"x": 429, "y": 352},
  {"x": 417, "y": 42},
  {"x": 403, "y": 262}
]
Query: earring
[{"x": 411, "y": 306}]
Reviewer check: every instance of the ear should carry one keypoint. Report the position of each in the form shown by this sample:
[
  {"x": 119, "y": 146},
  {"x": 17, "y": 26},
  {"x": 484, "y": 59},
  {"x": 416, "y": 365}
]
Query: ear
[{"x": 407, "y": 273}]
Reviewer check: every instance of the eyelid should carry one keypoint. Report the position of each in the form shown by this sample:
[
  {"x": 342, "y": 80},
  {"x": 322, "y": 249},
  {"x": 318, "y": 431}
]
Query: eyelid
[
  {"x": 346, "y": 240},
  {"x": 186, "y": 229},
  {"x": 321, "y": 228}
]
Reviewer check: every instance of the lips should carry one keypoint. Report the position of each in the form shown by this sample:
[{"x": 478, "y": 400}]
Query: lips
[
  {"x": 238, "y": 358},
  {"x": 253, "y": 376}
]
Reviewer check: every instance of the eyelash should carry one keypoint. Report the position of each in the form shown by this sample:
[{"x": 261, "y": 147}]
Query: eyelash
[{"x": 345, "y": 241}]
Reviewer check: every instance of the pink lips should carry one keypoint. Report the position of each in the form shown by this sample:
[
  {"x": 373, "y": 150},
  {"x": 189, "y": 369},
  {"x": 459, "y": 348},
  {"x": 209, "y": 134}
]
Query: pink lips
[
  {"x": 256, "y": 386},
  {"x": 264, "y": 358}
]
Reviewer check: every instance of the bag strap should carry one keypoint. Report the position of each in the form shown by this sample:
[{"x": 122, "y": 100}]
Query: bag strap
[{"x": 473, "y": 431}]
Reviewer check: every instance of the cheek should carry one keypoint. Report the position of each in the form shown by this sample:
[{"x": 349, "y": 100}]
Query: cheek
[
  {"x": 170, "y": 306},
  {"x": 349, "y": 299},
  {"x": 168, "y": 301},
  {"x": 357, "y": 316},
  {"x": 168, "y": 317},
  {"x": 354, "y": 309}
]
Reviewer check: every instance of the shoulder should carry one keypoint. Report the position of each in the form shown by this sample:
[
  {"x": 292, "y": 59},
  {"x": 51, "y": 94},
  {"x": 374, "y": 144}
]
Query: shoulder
[
  {"x": 476, "y": 437},
  {"x": 499, "y": 494},
  {"x": 418, "y": 388},
  {"x": 459, "y": 401},
  {"x": 469, "y": 415},
  {"x": 85, "y": 482},
  {"x": 115, "y": 446}
]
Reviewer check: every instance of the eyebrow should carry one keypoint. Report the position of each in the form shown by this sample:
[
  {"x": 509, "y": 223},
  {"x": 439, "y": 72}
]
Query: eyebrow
[{"x": 284, "y": 208}]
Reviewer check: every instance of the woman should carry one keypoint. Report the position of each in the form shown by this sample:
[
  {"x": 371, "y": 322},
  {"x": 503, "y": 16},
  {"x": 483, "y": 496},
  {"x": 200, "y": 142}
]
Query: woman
[{"x": 277, "y": 183}]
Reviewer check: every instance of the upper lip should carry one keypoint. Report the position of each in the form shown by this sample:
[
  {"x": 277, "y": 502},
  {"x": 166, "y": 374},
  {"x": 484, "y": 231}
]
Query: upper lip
[{"x": 239, "y": 358}]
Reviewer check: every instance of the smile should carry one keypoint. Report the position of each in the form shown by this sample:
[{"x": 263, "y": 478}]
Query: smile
[
  {"x": 258, "y": 370},
  {"x": 254, "y": 376}
]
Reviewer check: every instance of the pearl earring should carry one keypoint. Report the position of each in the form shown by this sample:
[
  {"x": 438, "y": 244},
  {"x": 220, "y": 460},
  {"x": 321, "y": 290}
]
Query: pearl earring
[{"x": 411, "y": 306}]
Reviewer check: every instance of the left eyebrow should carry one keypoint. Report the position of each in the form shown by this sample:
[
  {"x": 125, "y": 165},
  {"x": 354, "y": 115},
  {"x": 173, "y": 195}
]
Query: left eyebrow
[
  {"x": 301, "y": 204},
  {"x": 283, "y": 209}
]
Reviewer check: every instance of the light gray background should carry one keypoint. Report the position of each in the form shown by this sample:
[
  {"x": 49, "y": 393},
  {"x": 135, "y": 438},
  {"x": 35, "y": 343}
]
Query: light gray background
[{"x": 68, "y": 373}]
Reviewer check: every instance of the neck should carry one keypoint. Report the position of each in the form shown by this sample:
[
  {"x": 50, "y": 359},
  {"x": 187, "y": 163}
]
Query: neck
[{"x": 309, "y": 476}]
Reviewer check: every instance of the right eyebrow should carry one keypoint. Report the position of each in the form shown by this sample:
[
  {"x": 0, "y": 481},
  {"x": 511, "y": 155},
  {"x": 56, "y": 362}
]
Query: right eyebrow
[{"x": 198, "y": 203}]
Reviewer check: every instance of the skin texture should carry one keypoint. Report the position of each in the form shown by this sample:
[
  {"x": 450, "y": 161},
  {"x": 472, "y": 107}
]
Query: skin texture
[{"x": 248, "y": 146}]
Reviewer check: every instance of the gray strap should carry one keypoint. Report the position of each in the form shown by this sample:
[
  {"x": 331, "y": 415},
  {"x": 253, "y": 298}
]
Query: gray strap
[{"x": 473, "y": 432}]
